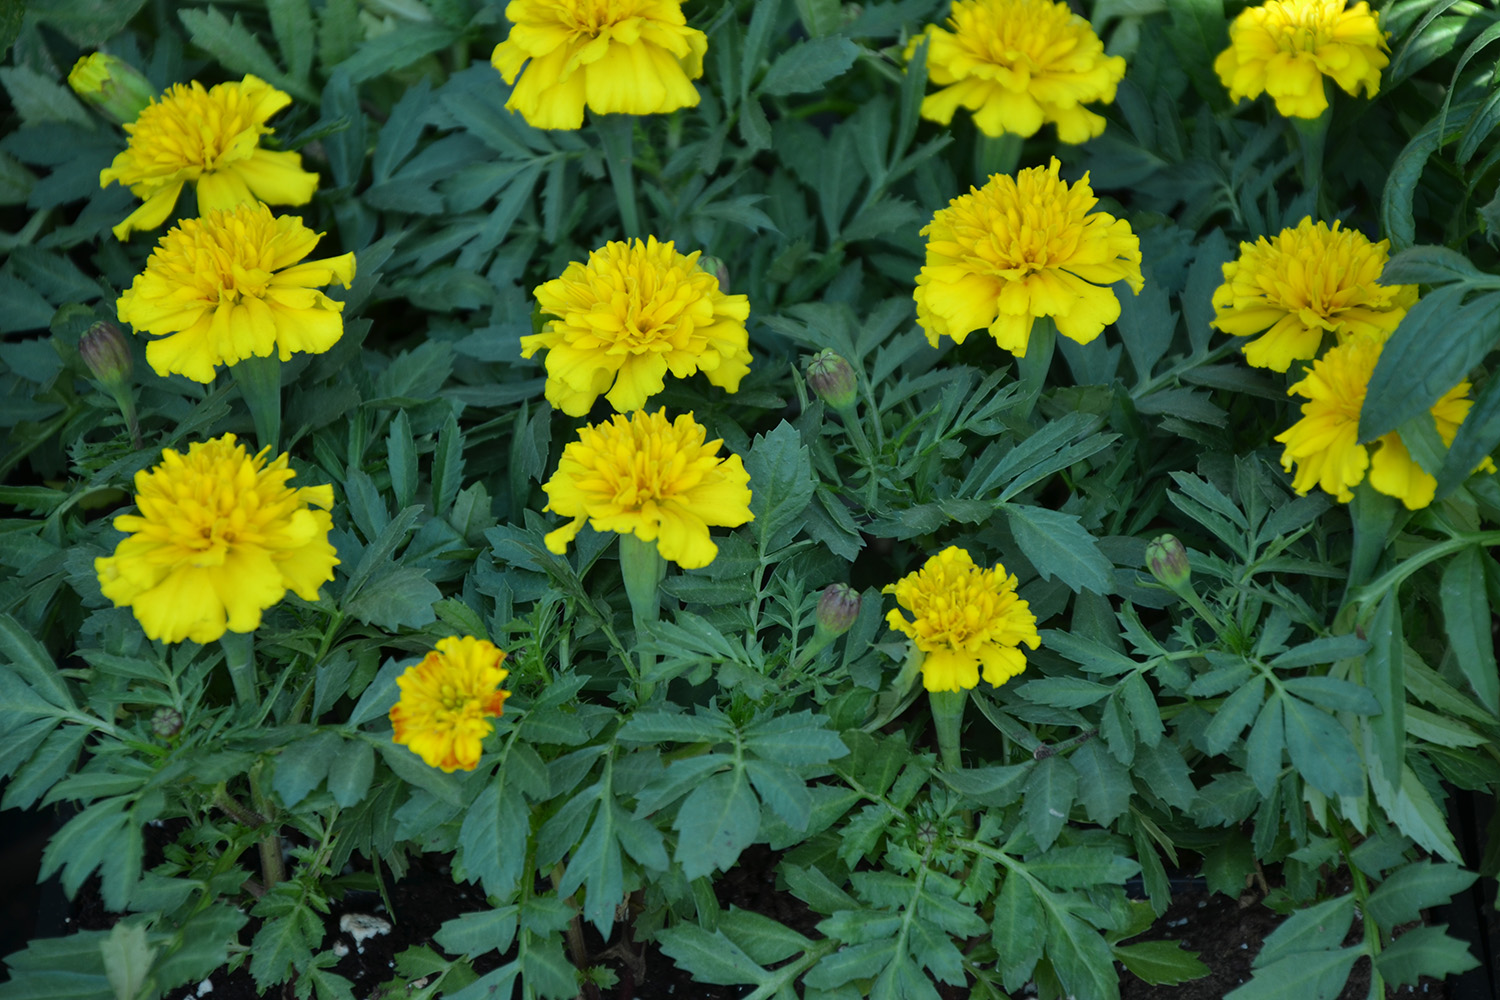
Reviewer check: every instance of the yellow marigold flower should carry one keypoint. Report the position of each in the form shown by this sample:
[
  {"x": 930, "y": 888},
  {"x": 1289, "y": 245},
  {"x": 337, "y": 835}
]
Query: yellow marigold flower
[
  {"x": 220, "y": 537},
  {"x": 1021, "y": 248},
  {"x": 1305, "y": 282},
  {"x": 656, "y": 479},
  {"x": 447, "y": 701},
  {"x": 228, "y": 287},
  {"x": 963, "y": 618},
  {"x": 1017, "y": 64},
  {"x": 634, "y": 57},
  {"x": 210, "y": 137},
  {"x": 1286, "y": 47},
  {"x": 633, "y": 313},
  {"x": 1324, "y": 445}
]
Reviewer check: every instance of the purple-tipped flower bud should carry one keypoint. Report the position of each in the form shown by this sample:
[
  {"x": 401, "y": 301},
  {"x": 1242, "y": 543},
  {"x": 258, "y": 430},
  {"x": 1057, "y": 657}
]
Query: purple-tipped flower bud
[
  {"x": 112, "y": 85},
  {"x": 1167, "y": 560},
  {"x": 104, "y": 350},
  {"x": 166, "y": 722},
  {"x": 837, "y": 609},
  {"x": 832, "y": 378},
  {"x": 717, "y": 268}
]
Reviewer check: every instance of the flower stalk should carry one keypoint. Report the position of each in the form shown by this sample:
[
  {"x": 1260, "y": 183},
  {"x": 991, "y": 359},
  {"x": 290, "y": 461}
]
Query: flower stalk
[
  {"x": 259, "y": 381},
  {"x": 643, "y": 569},
  {"x": 947, "y": 720}
]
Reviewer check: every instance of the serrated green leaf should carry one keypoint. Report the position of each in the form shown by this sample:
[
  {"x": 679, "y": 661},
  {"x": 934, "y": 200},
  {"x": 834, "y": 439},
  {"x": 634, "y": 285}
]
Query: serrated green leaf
[
  {"x": 350, "y": 772},
  {"x": 1050, "y": 791},
  {"x": 1237, "y": 712},
  {"x": 473, "y": 934},
  {"x": 1321, "y": 749},
  {"x": 1413, "y": 888},
  {"x": 1466, "y": 613},
  {"x": 710, "y": 957},
  {"x": 781, "y": 485},
  {"x": 1161, "y": 963},
  {"x": 718, "y": 820},
  {"x": 808, "y": 65},
  {"x": 303, "y": 765},
  {"x": 1058, "y": 545},
  {"x": 1424, "y": 951},
  {"x": 1334, "y": 694}
]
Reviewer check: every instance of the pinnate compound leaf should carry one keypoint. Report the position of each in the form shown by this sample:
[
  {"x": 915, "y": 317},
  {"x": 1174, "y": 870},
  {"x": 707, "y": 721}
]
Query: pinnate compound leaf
[
  {"x": 1058, "y": 545},
  {"x": 781, "y": 484},
  {"x": 710, "y": 957},
  {"x": 808, "y": 65},
  {"x": 1412, "y": 888},
  {"x": 1424, "y": 951},
  {"x": 717, "y": 821},
  {"x": 1322, "y": 750}
]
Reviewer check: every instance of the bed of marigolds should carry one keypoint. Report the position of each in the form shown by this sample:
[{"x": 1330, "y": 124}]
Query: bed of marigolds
[{"x": 589, "y": 463}]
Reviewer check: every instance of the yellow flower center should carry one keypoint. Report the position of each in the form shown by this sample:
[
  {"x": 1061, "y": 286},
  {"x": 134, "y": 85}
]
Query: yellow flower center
[
  {"x": 640, "y": 467},
  {"x": 1015, "y": 228},
  {"x": 229, "y": 256},
  {"x": 1300, "y": 26},
  {"x": 194, "y": 127},
  {"x": 1025, "y": 37},
  {"x": 592, "y": 18}
]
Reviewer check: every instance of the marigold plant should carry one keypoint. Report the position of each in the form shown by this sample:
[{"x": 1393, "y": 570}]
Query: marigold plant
[
  {"x": 650, "y": 477},
  {"x": 630, "y": 315},
  {"x": 1017, "y": 65},
  {"x": 634, "y": 57},
  {"x": 220, "y": 537},
  {"x": 209, "y": 137},
  {"x": 1324, "y": 445},
  {"x": 229, "y": 286},
  {"x": 447, "y": 701},
  {"x": 1303, "y": 283},
  {"x": 1286, "y": 47},
  {"x": 964, "y": 620},
  {"x": 1005, "y": 255}
]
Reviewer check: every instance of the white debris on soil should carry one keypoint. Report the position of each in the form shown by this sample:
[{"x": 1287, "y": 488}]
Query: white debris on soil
[
  {"x": 340, "y": 949},
  {"x": 360, "y": 926},
  {"x": 205, "y": 988}
]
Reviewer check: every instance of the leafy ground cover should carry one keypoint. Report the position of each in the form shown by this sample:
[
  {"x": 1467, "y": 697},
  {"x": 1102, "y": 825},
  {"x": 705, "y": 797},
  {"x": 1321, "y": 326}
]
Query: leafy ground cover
[{"x": 842, "y": 499}]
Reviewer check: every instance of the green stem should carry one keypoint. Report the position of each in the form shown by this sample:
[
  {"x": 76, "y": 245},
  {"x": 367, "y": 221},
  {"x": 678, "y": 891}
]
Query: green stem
[
  {"x": 996, "y": 155},
  {"x": 948, "y": 719},
  {"x": 1036, "y": 362},
  {"x": 643, "y": 570},
  {"x": 1312, "y": 136},
  {"x": 259, "y": 380},
  {"x": 617, "y": 132},
  {"x": 239, "y": 657},
  {"x": 272, "y": 865}
]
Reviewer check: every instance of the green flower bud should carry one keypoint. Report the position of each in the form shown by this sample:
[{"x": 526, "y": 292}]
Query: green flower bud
[
  {"x": 832, "y": 378},
  {"x": 166, "y": 722},
  {"x": 837, "y": 609},
  {"x": 717, "y": 268},
  {"x": 104, "y": 350},
  {"x": 113, "y": 86},
  {"x": 1168, "y": 562}
]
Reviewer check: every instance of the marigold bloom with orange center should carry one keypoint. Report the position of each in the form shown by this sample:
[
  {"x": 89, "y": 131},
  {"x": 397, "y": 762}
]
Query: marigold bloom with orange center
[
  {"x": 1021, "y": 248},
  {"x": 1017, "y": 64},
  {"x": 228, "y": 286},
  {"x": 1304, "y": 283},
  {"x": 656, "y": 479},
  {"x": 220, "y": 538},
  {"x": 964, "y": 620},
  {"x": 634, "y": 57},
  {"x": 1324, "y": 445},
  {"x": 448, "y": 700},
  {"x": 1286, "y": 47},
  {"x": 211, "y": 138},
  {"x": 633, "y": 313}
]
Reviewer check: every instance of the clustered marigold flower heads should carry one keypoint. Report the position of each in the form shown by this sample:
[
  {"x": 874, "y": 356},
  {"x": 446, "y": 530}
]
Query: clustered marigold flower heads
[
  {"x": 964, "y": 619},
  {"x": 1286, "y": 47},
  {"x": 1303, "y": 283},
  {"x": 633, "y": 313},
  {"x": 634, "y": 57},
  {"x": 210, "y": 137},
  {"x": 1021, "y": 248},
  {"x": 656, "y": 479},
  {"x": 447, "y": 701},
  {"x": 1017, "y": 64},
  {"x": 1324, "y": 445},
  {"x": 220, "y": 538},
  {"x": 228, "y": 287}
]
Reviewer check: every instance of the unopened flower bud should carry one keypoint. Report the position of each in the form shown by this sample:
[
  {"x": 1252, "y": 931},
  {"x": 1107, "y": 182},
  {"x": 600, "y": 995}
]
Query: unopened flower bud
[
  {"x": 104, "y": 350},
  {"x": 717, "y": 268},
  {"x": 111, "y": 85},
  {"x": 166, "y": 722},
  {"x": 1167, "y": 560},
  {"x": 837, "y": 609},
  {"x": 832, "y": 378}
]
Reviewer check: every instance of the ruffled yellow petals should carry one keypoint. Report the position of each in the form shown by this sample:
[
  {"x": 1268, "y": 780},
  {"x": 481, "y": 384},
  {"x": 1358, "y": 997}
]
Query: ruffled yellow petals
[
  {"x": 1286, "y": 47},
  {"x": 220, "y": 538},
  {"x": 634, "y": 57},
  {"x": 965, "y": 620},
  {"x": 210, "y": 138},
  {"x": 227, "y": 287},
  {"x": 630, "y": 315},
  {"x": 447, "y": 701},
  {"x": 1324, "y": 447},
  {"x": 1303, "y": 283},
  {"x": 653, "y": 478},
  {"x": 1017, "y": 65},
  {"x": 1021, "y": 248}
]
